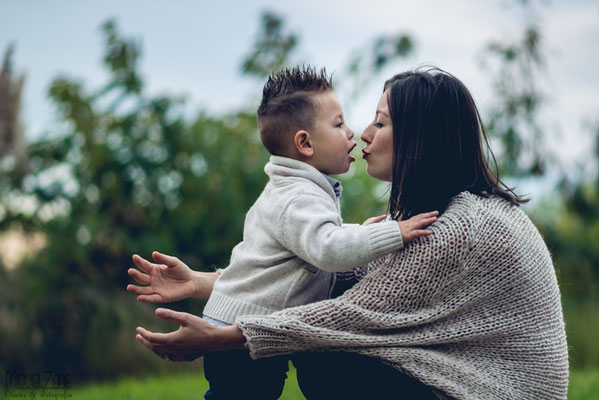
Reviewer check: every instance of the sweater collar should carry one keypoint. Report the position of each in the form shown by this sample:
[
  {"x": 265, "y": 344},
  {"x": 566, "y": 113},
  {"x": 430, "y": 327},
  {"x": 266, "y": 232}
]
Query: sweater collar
[{"x": 283, "y": 167}]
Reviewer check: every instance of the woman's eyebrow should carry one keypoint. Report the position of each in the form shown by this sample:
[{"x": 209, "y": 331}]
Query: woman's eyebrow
[{"x": 382, "y": 112}]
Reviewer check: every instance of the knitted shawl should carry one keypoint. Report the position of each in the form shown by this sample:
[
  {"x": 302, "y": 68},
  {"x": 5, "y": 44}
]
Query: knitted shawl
[{"x": 472, "y": 310}]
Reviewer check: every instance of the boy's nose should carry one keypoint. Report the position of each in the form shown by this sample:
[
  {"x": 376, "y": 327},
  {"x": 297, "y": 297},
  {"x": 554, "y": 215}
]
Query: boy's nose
[{"x": 350, "y": 134}]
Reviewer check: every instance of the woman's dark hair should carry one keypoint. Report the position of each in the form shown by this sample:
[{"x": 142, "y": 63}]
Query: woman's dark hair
[{"x": 438, "y": 140}]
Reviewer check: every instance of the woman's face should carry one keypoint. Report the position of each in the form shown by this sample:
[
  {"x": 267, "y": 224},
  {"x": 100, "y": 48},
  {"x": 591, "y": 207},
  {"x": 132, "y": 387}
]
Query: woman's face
[{"x": 378, "y": 137}]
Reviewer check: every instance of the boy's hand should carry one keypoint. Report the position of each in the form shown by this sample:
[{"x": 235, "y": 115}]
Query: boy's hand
[
  {"x": 171, "y": 280},
  {"x": 373, "y": 220},
  {"x": 412, "y": 228}
]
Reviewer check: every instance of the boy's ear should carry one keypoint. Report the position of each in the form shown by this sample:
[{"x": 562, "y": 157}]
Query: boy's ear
[{"x": 302, "y": 142}]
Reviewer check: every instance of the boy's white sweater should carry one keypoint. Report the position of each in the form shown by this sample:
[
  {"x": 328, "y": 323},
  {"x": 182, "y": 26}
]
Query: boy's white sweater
[{"x": 293, "y": 243}]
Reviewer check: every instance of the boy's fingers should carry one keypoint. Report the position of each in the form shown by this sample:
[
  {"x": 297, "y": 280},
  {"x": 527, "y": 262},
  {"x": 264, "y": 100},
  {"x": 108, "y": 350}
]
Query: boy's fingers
[
  {"x": 427, "y": 215},
  {"x": 143, "y": 264},
  {"x": 140, "y": 289},
  {"x": 151, "y": 298},
  {"x": 139, "y": 277},
  {"x": 169, "y": 261},
  {"x": 424, "y": 222}
]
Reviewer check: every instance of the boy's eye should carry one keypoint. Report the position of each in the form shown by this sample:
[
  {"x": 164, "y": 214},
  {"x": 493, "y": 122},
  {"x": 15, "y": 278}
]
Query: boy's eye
[{"x": 339, "y": 125}]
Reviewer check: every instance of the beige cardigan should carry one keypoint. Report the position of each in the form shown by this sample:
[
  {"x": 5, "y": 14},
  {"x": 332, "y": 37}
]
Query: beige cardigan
[{"x": 473, "y": 310}]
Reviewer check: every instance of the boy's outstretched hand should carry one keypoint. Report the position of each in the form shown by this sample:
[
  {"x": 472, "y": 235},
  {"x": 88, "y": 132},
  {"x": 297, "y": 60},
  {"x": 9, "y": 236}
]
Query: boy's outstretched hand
[
  {"x": 412, "y": 228},
  {"x": 170, "y": 280}
]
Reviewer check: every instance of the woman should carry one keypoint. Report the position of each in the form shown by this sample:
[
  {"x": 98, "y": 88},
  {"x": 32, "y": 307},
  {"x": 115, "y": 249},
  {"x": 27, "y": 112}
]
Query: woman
[{"x": 472, "y": 311}]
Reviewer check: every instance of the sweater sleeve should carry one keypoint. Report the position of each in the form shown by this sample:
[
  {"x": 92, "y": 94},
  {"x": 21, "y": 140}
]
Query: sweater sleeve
[
  {"x": 392, "y": 306},
  {"x": 312, "y": 229}
]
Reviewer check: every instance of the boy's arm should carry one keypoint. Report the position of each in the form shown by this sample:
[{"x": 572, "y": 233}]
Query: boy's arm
[
  {"x": 312, "y": 229},
  {"x": 169, "y": 280}
]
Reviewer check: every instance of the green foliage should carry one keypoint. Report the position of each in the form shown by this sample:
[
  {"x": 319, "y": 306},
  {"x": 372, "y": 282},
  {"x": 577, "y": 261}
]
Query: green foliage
[
  {"x": 514, "y": 118},
  {"x": 127, "y": 175},
  {"x": 272, "y": 48},
  {"x": 378, "y": 53},
  {"x": 571, "y": 231}
]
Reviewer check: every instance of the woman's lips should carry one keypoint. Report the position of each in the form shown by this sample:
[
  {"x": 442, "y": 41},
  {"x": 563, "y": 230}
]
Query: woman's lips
[{"x": 365, "y": 154}]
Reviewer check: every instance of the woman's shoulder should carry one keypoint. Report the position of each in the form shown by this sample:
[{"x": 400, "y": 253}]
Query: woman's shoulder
[
  {"x": 474, "y": 204},
  {"x": 493, "y": 216}
]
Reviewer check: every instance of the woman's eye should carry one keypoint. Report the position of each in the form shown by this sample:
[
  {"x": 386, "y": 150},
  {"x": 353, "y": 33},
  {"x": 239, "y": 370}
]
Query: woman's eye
[{"x": 378, "y": 125}]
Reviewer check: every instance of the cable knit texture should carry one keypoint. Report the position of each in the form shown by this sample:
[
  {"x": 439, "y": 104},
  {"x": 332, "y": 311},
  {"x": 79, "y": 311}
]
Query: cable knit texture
[
  {"x": 293, "y": 242},
  {"x": 473, "y": 310}
]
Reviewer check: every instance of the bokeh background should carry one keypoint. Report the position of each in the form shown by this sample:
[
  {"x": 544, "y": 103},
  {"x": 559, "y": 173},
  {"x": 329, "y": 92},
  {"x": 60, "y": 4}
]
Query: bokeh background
[{"x": 128, "y": 127}]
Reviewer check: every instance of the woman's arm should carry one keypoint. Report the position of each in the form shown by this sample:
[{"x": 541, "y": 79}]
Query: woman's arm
[
  {"x": 170, "y": 280},
  {"x": 391, "y": 306},
  {"x": 194, "y": 338}
]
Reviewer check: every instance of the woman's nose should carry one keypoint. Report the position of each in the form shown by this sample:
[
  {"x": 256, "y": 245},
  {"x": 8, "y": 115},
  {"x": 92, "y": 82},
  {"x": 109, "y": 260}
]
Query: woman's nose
[{"x": 366, "y": 135}]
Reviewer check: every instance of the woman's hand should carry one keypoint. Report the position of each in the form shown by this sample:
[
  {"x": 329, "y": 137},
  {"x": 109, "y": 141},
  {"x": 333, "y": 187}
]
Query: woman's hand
[
  {"x": 194, "y": 338},
  {"x": 171, "y": 280},
  {"x": 412, "y": 228}
]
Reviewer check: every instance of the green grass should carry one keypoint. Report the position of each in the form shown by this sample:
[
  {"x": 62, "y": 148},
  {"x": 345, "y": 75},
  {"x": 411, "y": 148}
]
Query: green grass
[
  {"x": 189, "y": 386},
  {"x": 584, "y": 385}
]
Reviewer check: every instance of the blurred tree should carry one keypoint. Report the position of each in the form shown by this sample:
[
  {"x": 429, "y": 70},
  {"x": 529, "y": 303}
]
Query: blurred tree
[
  {"x": 127, "y": 174},
  {"x": 514, "y": 118},
  {"x": 272, "y": 48},
  {"x": 571, "y": 229},
  {"x": 12, "y": 141}
]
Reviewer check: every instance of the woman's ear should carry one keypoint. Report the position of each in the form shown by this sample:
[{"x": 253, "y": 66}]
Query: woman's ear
[{"x": 302, "y": 141}]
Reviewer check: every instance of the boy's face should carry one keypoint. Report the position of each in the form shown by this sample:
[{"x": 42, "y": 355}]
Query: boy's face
[{"x": 331, "y": 138}]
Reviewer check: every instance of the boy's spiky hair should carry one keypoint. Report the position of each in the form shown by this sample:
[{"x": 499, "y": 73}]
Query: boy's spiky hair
[{"x": 287, "y": 105}]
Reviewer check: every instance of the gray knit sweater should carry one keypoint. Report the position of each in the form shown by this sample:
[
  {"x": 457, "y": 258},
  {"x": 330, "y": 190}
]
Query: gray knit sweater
[
  {"x": 473, "y": 310},
  {"x": 293, "y": 241}
]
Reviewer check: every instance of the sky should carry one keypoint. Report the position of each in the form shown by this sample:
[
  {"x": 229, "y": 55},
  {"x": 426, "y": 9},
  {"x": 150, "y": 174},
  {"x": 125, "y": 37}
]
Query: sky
[{"x": 194, "y": 49}]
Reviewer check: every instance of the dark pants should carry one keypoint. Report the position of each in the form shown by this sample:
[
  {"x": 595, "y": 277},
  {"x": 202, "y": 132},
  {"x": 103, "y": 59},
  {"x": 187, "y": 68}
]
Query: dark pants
[
  {"x": 338, "y": 375},
  {"x": 234, "y": 375}
]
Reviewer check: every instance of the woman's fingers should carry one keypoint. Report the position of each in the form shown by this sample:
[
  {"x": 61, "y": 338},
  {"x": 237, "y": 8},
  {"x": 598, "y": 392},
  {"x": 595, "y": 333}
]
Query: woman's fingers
[
  {"x": 173, "y": 316},
  {"x": 153, "y": 338},
  {"x": 139, "y": 277}
]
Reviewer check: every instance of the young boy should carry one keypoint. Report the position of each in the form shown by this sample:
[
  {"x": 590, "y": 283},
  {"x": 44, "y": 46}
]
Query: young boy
[{"x": 294, "y": 239}]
